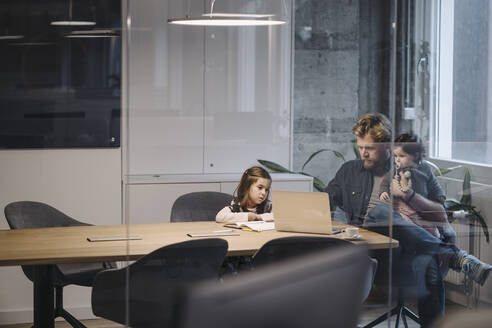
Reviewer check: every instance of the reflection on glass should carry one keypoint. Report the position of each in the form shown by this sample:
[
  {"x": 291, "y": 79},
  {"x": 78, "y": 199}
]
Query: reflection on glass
[
  {"x": 200, "y": 92},
  {"x": 58, "y": 91}
]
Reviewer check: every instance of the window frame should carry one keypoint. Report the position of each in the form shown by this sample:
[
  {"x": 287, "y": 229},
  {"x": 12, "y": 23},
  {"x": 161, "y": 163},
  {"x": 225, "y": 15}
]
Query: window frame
[{"x": 439, "y": 21}]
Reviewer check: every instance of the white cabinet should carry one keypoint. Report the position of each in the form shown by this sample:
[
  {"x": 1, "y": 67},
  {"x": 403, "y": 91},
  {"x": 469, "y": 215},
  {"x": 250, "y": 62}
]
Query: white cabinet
[
  {"x": 165, "y": 91},
  {"x": 150, "y": 198},
  {"x": 247, "y": 97},
  {"x": 205, "y": 100},
  {"x": 152, "y": 203}
]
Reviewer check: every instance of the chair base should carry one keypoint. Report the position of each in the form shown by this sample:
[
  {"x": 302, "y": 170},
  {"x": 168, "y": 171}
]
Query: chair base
[
  {"x": 61, "y": 312},
  {"x": 69, "y": 318},
  {"x": 401, "y": 311}
]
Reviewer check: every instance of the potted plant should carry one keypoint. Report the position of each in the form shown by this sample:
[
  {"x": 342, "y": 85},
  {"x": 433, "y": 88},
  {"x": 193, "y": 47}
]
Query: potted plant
[{"x": 465, "y": 203}]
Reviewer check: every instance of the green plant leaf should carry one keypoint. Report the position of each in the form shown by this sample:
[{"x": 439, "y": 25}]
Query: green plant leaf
[
  {"x": 439, "y": 171},
  {"x": 482, "y": 222},
  {"x": 466, "y": 202},
  {"x": 454, "y": 205},
  {"x": 449, "y": 169},
  {"x": 466, "y": 197},
  {"x": 274, "y": 166},
  {"x": 355, "y": 148},
  {"x": 317, "y": 183},
  {"x": 320, "y": 186},
  {"x": 337, "y": 154}
]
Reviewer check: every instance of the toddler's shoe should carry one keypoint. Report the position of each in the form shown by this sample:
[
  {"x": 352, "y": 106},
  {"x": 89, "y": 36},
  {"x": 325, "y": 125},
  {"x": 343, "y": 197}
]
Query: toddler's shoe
[{"x": 475, "y": 269}]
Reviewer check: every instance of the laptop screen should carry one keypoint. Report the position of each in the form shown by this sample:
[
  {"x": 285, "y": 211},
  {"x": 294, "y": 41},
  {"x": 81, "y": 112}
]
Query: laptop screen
[{"x": 302, "y": 211}]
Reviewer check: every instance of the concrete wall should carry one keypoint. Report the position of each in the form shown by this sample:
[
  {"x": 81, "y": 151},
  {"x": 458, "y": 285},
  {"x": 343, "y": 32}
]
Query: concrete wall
[{"x": 340, "y": 71}]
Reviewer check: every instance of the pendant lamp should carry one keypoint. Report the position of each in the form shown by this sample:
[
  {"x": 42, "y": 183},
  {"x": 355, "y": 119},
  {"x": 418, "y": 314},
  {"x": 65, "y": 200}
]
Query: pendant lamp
[
  {"x": 95, "y": 33},
  {"x": 227, "y": 19},
  {"x": 70, "y": 21},
  {"x": 7, "y": 34}
]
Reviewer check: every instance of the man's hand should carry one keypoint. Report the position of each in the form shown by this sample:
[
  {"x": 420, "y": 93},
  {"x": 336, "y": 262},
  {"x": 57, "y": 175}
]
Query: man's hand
[{"x": 397, "y": 191}]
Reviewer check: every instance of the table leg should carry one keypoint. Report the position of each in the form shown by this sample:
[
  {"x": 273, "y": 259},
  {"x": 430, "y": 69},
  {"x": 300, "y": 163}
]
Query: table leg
[{"x": 44, "y": 315}]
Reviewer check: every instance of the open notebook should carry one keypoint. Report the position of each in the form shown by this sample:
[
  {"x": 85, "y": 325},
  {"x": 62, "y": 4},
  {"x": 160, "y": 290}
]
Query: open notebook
[{"x": 251, "y": 225}]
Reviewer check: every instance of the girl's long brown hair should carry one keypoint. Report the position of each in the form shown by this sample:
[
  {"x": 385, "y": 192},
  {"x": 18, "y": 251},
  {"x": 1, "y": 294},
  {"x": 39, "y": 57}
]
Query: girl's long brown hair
[{"x": 249, "y": 177}]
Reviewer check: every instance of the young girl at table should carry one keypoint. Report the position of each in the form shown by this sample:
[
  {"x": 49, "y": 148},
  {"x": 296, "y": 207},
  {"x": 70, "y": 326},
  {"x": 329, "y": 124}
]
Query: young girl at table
[{"x": 250, "y": 200}]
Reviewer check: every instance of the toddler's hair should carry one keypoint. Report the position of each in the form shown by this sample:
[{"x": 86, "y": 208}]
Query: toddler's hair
[
  {"x": 411, "y": 144},
  {"x": 250, "y": 176}
]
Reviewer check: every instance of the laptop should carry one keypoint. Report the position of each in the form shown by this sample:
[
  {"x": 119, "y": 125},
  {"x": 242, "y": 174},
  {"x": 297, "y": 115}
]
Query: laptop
[{"x": 302, "y": 211}]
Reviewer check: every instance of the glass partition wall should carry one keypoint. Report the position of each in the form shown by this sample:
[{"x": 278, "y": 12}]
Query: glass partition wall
[
  {"x": 204, "y": 103},
  {"x": 200, "y": 104}
]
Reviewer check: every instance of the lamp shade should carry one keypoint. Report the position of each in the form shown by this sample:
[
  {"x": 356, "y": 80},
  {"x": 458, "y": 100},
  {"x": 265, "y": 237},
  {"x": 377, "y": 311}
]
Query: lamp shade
[
  {"x": 96, "y": 33},
  {"x": 72, "y": 23},
  {"x": 228, "y": 19},
  {"x": 69, "y": 20}
]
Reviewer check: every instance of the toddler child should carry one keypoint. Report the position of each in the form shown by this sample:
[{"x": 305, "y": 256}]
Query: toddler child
[{"x": 413, "y": 176}]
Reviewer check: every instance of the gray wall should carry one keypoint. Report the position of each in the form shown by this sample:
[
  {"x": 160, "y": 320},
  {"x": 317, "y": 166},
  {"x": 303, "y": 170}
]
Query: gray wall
[{"x": 340, "y": 71}]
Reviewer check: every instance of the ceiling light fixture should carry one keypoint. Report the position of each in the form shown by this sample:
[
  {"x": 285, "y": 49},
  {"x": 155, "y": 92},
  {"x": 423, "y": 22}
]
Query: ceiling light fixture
[
  {"x": 96, "y": 33},
  {"x": 7, "y": 26},
  {"x": 11, "y": 37},
  {"x": 227, "y": 19},
  {"x": 32, "y": 44},
  {"x": 70, "y": 21}
]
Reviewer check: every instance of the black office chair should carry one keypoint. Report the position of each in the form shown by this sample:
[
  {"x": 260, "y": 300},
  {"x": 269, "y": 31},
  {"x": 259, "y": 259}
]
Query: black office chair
[
  {"x": 27, "y": 214},
  {"x": 148, "y": 292},
  {"x": 204, "y": 206},
  {"x": 282, "y": 249},
  {"x": 317, "y": 290},
  {"x": 199, "y": 206},
  {"x": 402, "y": 280}
]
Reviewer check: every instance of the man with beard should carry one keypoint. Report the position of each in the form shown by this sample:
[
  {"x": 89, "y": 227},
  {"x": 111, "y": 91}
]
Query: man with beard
[{"x": 355, "y": 189}]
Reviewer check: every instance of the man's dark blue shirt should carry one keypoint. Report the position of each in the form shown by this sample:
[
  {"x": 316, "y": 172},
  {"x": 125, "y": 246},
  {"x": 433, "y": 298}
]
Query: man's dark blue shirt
[{"x": 351, "y": 189}]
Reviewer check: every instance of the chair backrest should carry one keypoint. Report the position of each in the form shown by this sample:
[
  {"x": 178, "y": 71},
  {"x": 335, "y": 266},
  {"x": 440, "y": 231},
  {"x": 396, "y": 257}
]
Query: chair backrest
[
  {"x": 199, "y": 206},
  {"x": 152, "y": 286},
  {"x": 281, "y": 249},
  {"x": 27, "y": 214},
  {"x": 319, "y": 290}
]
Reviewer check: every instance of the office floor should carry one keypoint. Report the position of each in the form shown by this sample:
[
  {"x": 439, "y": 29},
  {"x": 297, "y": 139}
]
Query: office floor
[
  {"x": 370, "y": 311},
  {"x": 95, "y": 323},
  {"x": 373, "y": 308}
]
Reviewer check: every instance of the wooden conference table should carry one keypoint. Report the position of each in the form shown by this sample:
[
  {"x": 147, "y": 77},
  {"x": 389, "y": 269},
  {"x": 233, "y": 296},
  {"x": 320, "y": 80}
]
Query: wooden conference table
[{"x": 47, "y": 246}]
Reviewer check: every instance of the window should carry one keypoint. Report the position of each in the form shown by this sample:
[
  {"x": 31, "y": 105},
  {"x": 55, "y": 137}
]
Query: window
[{"x": 460, "y": 78}]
